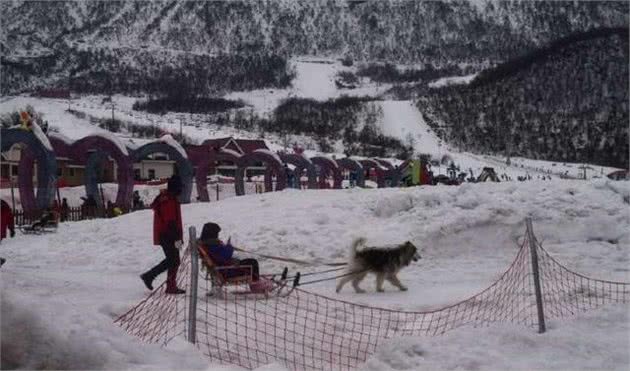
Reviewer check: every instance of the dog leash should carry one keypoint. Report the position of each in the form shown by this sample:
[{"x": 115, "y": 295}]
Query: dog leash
[
  {"x": 290, "y": 260},
  {"x": 330, "y": 278},
  {"x": 318, "y": 272}
]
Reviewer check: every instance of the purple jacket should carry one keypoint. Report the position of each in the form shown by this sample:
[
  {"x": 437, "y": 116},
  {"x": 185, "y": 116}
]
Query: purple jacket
[{"x": 220, "y": 253}]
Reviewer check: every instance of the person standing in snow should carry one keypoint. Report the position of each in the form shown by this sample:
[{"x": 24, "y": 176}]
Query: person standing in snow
[
  {"x": 65, "y": 209},
  {"x": 6, "y": 222},
  {"x": 167, "y": 233}
]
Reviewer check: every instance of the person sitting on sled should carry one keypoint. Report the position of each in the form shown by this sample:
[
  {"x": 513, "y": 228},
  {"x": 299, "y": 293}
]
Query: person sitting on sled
[{"x": 222, "y": 254}]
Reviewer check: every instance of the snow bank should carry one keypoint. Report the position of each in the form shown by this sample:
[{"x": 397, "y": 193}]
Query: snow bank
[
  {"x": 54, "y": 334},
  {"x": 595, "y": 340},
  {"x": 86, "y": 274}
]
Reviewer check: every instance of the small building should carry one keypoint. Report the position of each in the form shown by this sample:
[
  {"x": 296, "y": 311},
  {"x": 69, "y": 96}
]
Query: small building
[
  {"x": 9, "y": 163},
  {"x": 240, "y": 146},
  {"x": 155, "y": 166}
]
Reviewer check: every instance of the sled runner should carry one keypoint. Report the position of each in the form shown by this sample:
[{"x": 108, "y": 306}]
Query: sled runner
[{"x": 238, "y": 280}]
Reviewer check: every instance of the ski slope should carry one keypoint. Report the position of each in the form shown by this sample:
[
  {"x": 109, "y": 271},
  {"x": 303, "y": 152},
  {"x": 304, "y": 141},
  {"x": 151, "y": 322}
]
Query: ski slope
[{"x": 61, "y": 292}]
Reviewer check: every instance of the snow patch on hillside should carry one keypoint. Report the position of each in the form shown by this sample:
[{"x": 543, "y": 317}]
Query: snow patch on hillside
[{"x": 454, "y": 80}]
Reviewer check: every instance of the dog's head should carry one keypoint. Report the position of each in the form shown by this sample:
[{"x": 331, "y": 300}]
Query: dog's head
[{"x": 410, "y": 252}]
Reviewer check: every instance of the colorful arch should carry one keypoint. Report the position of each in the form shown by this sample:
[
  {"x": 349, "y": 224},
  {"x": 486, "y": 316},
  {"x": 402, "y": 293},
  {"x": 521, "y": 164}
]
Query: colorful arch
[
  {"x": 355, "y": 166},
  {"x": 327, "y": 167},
  {"x": 301, "y": 163},
  {"x": 108, "y": 146},
  {"x": 380, "y": 171},
  {"x": 273, "y": 163},
  {"x": 199, "y": 156},
  {"x": 38, "y": 148},
  {"x": 184, "y": 167}
]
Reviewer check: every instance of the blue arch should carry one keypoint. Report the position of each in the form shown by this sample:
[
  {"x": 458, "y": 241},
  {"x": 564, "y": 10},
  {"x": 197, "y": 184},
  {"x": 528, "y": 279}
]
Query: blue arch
[
  {"x": 46, "y": 167},
  {"x": 184, "y": 166}
]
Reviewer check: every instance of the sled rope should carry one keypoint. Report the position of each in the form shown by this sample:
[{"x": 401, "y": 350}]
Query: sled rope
[
  {"x": 318, "y": 272},
  {"x": 331, "y": 278},
  {"x": 291, "y": 260}
]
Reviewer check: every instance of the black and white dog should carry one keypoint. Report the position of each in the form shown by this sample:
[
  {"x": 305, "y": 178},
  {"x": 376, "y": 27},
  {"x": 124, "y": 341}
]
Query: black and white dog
[{"x": 383, "y": 261}]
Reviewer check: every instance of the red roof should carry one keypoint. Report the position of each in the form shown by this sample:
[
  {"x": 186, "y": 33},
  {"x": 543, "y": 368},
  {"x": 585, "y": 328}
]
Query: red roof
[
  {"x": 249, "y": 145},
  {"x": 239, "y": 145}
]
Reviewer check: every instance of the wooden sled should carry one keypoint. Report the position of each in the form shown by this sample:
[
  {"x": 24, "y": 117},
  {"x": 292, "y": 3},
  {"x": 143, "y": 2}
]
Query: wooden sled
[{"x": 241, "y": 284}]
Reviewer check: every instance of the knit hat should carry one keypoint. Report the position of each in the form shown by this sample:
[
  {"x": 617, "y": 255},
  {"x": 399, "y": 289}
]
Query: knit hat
[
  {"x": 174, "y": 185},
  {"x": 210, "y": 231}
]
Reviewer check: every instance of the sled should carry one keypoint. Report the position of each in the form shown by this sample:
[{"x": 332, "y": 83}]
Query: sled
[
  {"x": 38, "y": 228},
  {"x": 242, "y": 284}
]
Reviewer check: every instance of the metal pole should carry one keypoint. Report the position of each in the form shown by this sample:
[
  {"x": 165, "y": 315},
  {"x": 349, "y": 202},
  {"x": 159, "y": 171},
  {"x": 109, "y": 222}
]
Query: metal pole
[
  {"x": 534, "y": 256},
  {"x": 12, "y": 191},
  {"x": 194, "y": 273}
]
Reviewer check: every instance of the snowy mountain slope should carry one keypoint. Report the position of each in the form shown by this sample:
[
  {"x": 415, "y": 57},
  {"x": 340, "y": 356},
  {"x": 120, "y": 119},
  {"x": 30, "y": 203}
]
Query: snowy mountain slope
[
  {"x": 468, "y": 235},
  {"x": 401, "y": 119}
]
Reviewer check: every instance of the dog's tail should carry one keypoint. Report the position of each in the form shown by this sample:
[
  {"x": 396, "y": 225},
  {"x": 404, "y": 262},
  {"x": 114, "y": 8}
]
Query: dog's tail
[{"x": 355, "y": 245}]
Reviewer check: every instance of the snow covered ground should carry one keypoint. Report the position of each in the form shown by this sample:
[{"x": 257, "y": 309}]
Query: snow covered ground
[{"x": 61, "y": 292}]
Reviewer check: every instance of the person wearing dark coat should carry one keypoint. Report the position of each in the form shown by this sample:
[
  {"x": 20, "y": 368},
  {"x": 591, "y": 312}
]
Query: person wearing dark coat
[
  {"x": 65, "y": 210},
  {"x": 222, "y": 254},
  {"x": 167, "y": 233},
  {"x": 6, "y": 222}
]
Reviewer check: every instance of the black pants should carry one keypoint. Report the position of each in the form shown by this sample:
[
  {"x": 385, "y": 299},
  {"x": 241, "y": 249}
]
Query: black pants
[
  {"x": 171, "y": 260},
  {"x": 252, "y": 263}
]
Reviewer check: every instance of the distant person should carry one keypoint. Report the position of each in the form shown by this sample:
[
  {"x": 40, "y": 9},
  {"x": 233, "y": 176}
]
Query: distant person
[
  {"x": 65, "y": 210},
  {"x": 167, "y": 233},
  {"x": 137, "y": 201},
  {"x": 6, "y": 222}
]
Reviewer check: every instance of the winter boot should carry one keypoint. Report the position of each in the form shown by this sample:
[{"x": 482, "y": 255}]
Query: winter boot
[
  {"x": 147, "y": 281},
  {"x": 171, "y": 282}
]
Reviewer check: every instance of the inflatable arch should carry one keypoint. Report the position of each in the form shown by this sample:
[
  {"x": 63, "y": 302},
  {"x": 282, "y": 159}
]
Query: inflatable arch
[
  {"x": 380, "y": 171},
  {"x": 92, "y": 151},
  {"x": 38, "y": 148},
  {"x": 199, "y": 156},
  {"x": 327, "y": 166},
  {"x": 391, "y": 172},
  {"x": 301, "y": 163},
  {"x": 401, "y": 171},
  {"x": 169, "y": 146},
  {"x": 354, "y": 166},
  {"x": 273, "y": 163}
]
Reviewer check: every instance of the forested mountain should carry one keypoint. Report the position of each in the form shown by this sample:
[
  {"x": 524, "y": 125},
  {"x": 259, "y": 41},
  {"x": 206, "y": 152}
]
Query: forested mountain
[
  {"x": 567, "y": 101},
  {"x": 50, "y": 42}
]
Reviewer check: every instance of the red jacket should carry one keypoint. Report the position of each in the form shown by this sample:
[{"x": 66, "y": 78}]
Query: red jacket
[
  {"x": 6, "y": 219},
  {"x": 167, "y": 218}
]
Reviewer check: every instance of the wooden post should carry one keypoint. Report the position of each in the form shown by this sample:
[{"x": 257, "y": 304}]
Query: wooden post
[
  {"x": 534, "y": 256},
  {"x": 217, "y": 191}
]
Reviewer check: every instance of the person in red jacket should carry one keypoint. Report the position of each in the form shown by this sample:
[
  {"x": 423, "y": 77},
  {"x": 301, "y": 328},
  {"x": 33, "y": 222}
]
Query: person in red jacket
[
  {"x": 6, "y": 222},
  {"x": 167, "y": 233}
]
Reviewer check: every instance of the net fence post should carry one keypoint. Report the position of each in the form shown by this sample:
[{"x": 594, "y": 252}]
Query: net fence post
[
  {"x": 534, "y": 257},
  {"x": 194, "y": 273}
]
